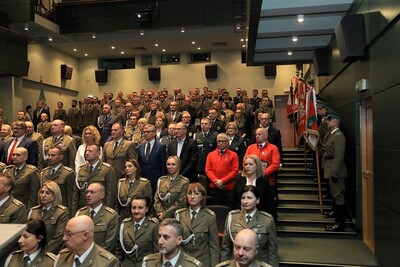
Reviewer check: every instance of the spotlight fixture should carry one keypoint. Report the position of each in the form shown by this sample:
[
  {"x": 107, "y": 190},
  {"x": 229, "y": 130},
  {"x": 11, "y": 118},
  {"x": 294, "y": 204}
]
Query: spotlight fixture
[
  {"x": 198, "y": 48},
  {"x": 243, "y": 46},
  {"x": 155, "y": 44},
  {"x": 295, "y": 38},
  {"x": 93, "y": 36},
  {"x": 142, "y": 32},
  {"x": 193, "y": 42},
  {"x": 182, "y": 30},
  {"x": 26, "y": 26},
  {"x": 50, "y": 39},
  {"x": 242, "y": 40},
  {"x": 122, "y": 52},
  {"x": 113, "y": 47},
  {"x": 86, "y": 54},
  {"x": 289, "y": 53},
  {"x": 300, "y": 18},
  {"x": 75, "y": 49},
  {"x": 163, "y": 50},
  {"x": 144, "y": 16}
]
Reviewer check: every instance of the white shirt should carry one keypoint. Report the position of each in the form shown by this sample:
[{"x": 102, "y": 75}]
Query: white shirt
[
  {"x": 179, "y": 147},
  {"x": 4, "y": 200},
  {"x": 19, "y": 139},
  {"x": 84, "y": 255},
  {"x": 174, "y": 260}
]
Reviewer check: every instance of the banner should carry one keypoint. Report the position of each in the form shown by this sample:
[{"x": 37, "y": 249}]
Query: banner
[
  {"x": 41, "y": 95},
  {"x": 312, "y": 134},
  {"x": 301, "y": 114}
]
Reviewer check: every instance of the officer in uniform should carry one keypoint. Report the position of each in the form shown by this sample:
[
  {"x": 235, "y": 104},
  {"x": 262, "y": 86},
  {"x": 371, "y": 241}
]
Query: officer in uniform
[
  {"x": 170, "y": 238},
  {"x": 64, "y": 176},
  {"x": 26, "y": 178},
  {"x": 2, "y": 166},
  {"x": 105, "y": 219},
  {"x": 245, "y": 251},
  {"x": 79, "y": 240},
  {"x": 11, "y": 211},
  {"x": 138, "y": 235},
  {"x": 94, "y": 170},
  {"x": 42, "y": 259}
]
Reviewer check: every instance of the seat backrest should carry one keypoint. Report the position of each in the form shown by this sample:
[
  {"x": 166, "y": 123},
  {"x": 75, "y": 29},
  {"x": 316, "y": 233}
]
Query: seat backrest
[{"x": 221, "y": 212}]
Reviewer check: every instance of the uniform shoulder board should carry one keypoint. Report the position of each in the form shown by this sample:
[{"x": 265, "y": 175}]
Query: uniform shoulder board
[
  {"x": 9, "y": 166},
  {"x": 105, "y": 254},
  {"x": 224, "y": 263},
  {"x": 150, "y": 257},
  {"x": 180, "y": 210},
  {"x": 17, "y": 202},
  {"x": 152, "y": 219},
  {"x": 61, "y": 207},
  {"x": 31, "y": 167},
  {"x": 163, "y": 177},
  {"x": 84, "y": 208},
  {"x": 234, "y": 212},
  {"x": 143, "y": 179},
  {"x": 17, "y": 252},
  {"x": 193, "y": 260},
  {"x": 122, "y": 179},
  {"x": 263, "y": 264},
  {"x": 106, "y": 164},
  {"x": 209, "y": 211},
  {"x": 64, "y": 250},
  {"x": 265, "y": 213},
  {"x": 36, "y": 207},
  {"x": 127, "y": 220},
  {"x": 43, "y": 170},
  {"x": 68, "y": 168},
  {"x": 68, "y": 137},
  {"x": 184, "y": 178},
  {"x": 51, "y": 256},
  {"x": 82, "y": 165},
  {"x": 110, "y": 210}
]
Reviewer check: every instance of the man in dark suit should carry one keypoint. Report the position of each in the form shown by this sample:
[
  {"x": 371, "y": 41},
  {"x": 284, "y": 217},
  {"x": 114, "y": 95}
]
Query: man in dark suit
[
  {"x": 20, "y": 140},
  {"x": 216, "y": 124},
  {"x": 174, "y": 115},
  {"x": 105, "y": 122},
  {"x": 186, "y": 149},
  {"x": 152, "y": 157},
  {"x": 39, "y": 110}
]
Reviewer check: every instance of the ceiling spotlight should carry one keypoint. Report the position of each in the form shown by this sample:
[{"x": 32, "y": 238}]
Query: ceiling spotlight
[
  {"x": 242, "y": 40},
  {"x": 26, "y": 27},
  {"x": 182, "y": 30},
  {"x": 142, "y": 32},
  {"x": 93, "y": 35},
  {"x": 112, "y": 47},
  {"x": 300, "y": 18},
  {"x": 155, "y": 44},
  {"x": 75, "y": 49},
  {"x": 122, "y": 52},
  {"x": 50, "y": 39},
  {"x": 163, "y": 50},
  {"x": 86, "y": 54},
  {"x": 289, "y": 53},
  {"x": 198, "y": 48},
  {"x": 193, "y": 42},
  {"x": 243, "y": 46},
  {"x": 295, "y": 38}
]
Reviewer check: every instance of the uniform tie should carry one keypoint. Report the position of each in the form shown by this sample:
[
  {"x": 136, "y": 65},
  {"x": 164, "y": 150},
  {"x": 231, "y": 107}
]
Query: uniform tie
[
  {"x": 137, "y": 226},
  {"x": 248, "y": 217},
  {"x": 92, "y": 213},
  {"x": 53, "y": 170},
  {"x": 230, "y": 140},
  {"x": 167, "y": 264},
  {"x": 221, "y": 151},
  {"x": 77, "y": 262},
  {"x": 194, "y": 213},
  {"x": 130, "y": 184},
  {"x": 115, "y": 146},
  {"x": 26, "y": 261},
  {"x": 44, "y": 211},
  {"x": 90, "y": 168}
]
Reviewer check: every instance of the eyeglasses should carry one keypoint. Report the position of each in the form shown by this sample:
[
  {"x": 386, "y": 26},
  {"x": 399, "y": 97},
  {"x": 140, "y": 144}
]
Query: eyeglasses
[
  {"x": 17, "y": 128},
  {"x": 70, "y": 234},
  {"x": 222, "y": 141},
  {"x": 194, "y": 193}
]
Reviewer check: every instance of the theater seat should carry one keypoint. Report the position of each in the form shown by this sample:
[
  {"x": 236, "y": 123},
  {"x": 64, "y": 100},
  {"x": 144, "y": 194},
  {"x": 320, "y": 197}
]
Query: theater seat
[{"x": 221, "y": 212}]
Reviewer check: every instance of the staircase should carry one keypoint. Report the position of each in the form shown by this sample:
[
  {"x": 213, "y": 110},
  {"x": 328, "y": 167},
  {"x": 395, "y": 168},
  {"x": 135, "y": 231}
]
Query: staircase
[{"x": 302, "y": 238}]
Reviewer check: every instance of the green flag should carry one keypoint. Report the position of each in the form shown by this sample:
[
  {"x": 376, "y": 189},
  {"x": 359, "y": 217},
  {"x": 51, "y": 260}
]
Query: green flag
[{"x": 41, "y": 95}]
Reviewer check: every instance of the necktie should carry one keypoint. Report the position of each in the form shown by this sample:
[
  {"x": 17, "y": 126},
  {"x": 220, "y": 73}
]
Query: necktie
[
  {"x": 230, "y": 141},
  {"x": 130, "y": 184},
  {"x": 173, "y": 116},
  {"x": 168, "y": 264},
  {"x": 147, "y": 150},
  {"x": 261, "y": 146},
  {"x": 12, "y": 151},
  {"x": 92, "y": 213},
  {"x": 194, "y": 213},
  {"x": 137, "y": 225},
  {"x": 221, "y": 152},
  {"x": 17, "y": 171},
  {"x": 77, "y": 262},
  {"x": 115, "y": 146},
  {"x": 55, "y": 139},
  {"x": 52, "y": 171},
  {"x": 90, "y": 168},
  {"x": 26, "y": 261},
  {"x": 248, "y": 217},
  {"x": 44, "y": 211}
]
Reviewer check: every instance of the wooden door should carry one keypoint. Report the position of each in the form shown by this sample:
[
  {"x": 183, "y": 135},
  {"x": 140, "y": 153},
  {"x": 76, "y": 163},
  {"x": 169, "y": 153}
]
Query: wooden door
[
  {"x": 282, "y": 122},
  {"x": 367, "y": 168}
]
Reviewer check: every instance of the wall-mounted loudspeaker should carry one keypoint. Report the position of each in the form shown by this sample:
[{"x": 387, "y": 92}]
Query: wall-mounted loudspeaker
[
  {"x": 270, "y": 70},
  {"x": 66, "y": 72},
  {"x": 101, "y": 75},
  {"x": 211, "y": 71},
  {"x": 321, "y": 61},
  {"x": 350, "y": 36},
  {"x": 155, "y": 74}
]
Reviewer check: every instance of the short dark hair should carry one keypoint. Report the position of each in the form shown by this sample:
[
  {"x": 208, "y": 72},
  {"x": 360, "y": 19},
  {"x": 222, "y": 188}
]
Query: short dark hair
[
  {"x": 37, "y": 227},
  {"x": 174, "y": 223},
  {"x": 251, "y": 188}
]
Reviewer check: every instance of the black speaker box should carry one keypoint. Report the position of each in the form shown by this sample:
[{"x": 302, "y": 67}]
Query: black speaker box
[
  {"x": 101, "y": 75},
  {"x": 321, "y": 61},
  {"x": 66, "y": 72},
  {"x": 155, "y": 74},
  {"x": 270, "y": 70},
  {"x": 211, "y": 71},
  {"x": 350, "y": 36}
]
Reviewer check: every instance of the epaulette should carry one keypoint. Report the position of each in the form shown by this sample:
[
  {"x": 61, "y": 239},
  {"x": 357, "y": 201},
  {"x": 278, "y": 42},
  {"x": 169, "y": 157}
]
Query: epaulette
[
  {"x": 17, "y": 202},
  {"x": 152, "y": 219},
  {"x": 51, "y": 256},
  {"x": 9, "y": 166},
  {"x": 263, "y": 264},
  {"x": 234, "y": 212},
  {"x": 143, "y": 179},
  {"x": 64, "y": 250},
  {"x": 212, "y": 213},
  {"x": 68, "y": 168},
  {"x": 193, "y": 260},
  {"x": 17, "y": 252},
  {"x": 180, "y": 210},
  {"x": 106, "y": 164},
  {"x": 127, "y": 220},
  {"x": 110, "y": 210},
  {"x": 84, "y": 208},
  {"x": 61, "y": 207},
  {"x": 184, "y": 178},
  {"x": 36, "y": 207},
  {"x": 82, "y": 165},
  {"x": 122, "y": 179},
  {"x": 265, "y": 213},
  {"x": 105, "y": 254},
  {"x": 31, "y": 167},
  {"x": 43, "y": 170},
  {"x": 150, "y": 257},
  {"x": 224, "y": 263},
  {"x": 164, "y": 177}
]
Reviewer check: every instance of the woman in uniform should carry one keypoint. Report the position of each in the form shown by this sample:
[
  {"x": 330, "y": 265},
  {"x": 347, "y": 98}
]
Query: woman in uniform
[
  {"x": 54, "y": 215},
  {"x": 200, "y": 235},
  {"x": 138, "y": 235},
  {"x": 131, "y": 186},
  {"x": 33, "y": 246},
  {"x": 171, "y": 190},
  {"x": 260, "y": 222}
]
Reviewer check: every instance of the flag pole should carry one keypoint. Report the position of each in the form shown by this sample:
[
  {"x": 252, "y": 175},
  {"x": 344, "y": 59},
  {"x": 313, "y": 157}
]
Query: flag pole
[{"x": 321, "y": 208}]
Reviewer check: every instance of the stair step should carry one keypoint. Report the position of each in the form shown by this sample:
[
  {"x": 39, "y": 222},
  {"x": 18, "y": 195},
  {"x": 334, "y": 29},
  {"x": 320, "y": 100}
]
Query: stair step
[
  {"x": 301, "y": 197},
  {"x": 297, "y": 181},
  {"x": 319, "y": 230},
  {"x": 302, "y": 207},
  {"x": 303, "y": 217},
  {"x": 307, "y": 189}
]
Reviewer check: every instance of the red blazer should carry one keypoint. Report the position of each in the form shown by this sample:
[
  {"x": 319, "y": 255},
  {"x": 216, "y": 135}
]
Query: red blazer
[
  {"x": 224, "y": 167},
  {"x": 270, "y": 154}
]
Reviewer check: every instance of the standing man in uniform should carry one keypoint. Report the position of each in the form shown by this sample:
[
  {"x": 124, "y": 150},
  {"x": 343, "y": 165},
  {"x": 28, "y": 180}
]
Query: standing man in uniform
[
  {"x": 74, "y": 117},
  {"x": 81, "y": 249},
  {"x": 335, "y": 170},
  {"x": 105, "y": 219},
  {"x": 38, "y": 138},
  {"x": 206, "y": 141},
  {"x": 170, "y": 236},
  {"x": 105, "y": 122}
]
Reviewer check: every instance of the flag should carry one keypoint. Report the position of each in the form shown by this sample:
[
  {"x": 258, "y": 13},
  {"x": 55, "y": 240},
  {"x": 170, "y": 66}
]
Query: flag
[
  {"x": 41, "y": 94},
  {"x": 312, "y": 133},
  {"x": 289, "y": 105},
  {"x": 301, "y": 113}
]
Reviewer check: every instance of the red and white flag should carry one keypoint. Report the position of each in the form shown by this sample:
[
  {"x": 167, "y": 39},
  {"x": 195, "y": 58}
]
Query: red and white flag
[
  {"x": 312, "y": 134},
  {"x": 301, "y": 114}
]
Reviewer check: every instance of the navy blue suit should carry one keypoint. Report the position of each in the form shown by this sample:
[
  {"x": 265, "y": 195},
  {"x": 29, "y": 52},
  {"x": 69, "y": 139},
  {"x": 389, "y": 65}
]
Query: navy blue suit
[
  {"x": 189, "y": 157},
  {"x": 29, "y": 144},
  {"x": 155, "y": 166}
]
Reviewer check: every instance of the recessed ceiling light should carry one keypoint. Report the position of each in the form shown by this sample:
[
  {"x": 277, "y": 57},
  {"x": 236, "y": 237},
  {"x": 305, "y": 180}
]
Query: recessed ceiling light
[
  {"x": 243, "y": 45},
  {"x": 141, "y": 32},
  {"x": 295, "y": 38},
  {"x": 198, "y": 48},
  {"x": 155, "y": 44},
  {"x": 242, "y": 40},
  {"x": 86, "y": 54},
  {"x": 182, "y": 30},
  {"x": 50, "y": 39},
  {"x": 300, "y": 18},
  {"x": 26, "y": 27},
  {"x": 163, "y": 50},
  {"x": 112, "y": 47},
  {"x": 93, "y": 35},
  {"x": 193, "y": 42},
  {"x": 75, "y": 49},
  {"x": 122, "y": 52},
  {"x": 289, "y": 53}
]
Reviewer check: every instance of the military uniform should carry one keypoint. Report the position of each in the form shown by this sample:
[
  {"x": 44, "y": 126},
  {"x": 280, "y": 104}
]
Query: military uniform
[
  {"x": 232, "y": 263},
  {"x": 200, "y": 237},
  {"x": 117, "y": 157},
  {"x": 2, "y": 167},
  {"x": 126, "y": 194},
  {"x": 129, "y": 132},
  {"x": 104, "y": 174},
  {"x": 170, "y": 195},
  {"x": 137, "y": 139},
  {"x": 41, "y": 260},
  {"x": 97, "y": 257},
  {"x": 106, "y": 225},
  {"x": 206, "y": 143},
  {"x": 60, "y": 114},
  {"x": 44, "y": 129},
  {"x": 89, "y": 114},
  {"x": 55, "y": 219},
  {"x": 74, "y": 118},
  {"x": 262, "y": 224},
  {"x": 26, "y": 184},
  {"x": 65, "y": 178},
  {"x": 37, "y": 137},
  {"x": 184, "y": 260},
  {"x": 139, "y": 243},
  {"x": 68, "y": 149}
]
